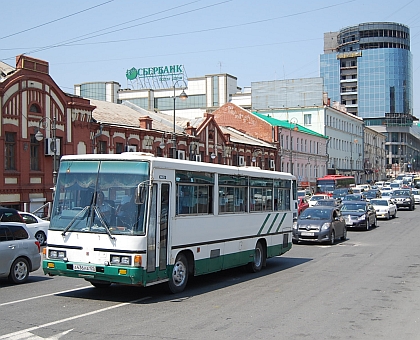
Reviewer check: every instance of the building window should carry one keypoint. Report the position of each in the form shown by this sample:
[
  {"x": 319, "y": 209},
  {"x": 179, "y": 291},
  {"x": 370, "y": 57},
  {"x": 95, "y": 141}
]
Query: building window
[
  {"x": 119, "y": 147},
  {"x": 102, "y": 147},
  {"x": 34, "y": 108},
  {"x": 34, "y": 154},
  {"x": 10, "y": 151}
]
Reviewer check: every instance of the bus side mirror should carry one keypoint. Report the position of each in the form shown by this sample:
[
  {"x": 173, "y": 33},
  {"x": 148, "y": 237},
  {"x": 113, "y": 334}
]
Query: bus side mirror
[{"x": 141, "y": 192}]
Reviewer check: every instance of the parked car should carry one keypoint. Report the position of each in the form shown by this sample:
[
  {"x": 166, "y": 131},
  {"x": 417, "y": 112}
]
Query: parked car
[
  {"x": 317, "y": 197},
  {"x": 37, "y": 226},
  {"x": 416, "y": 194},
  {"x": 320, "y": 224},
  {"x": 404, "y": 199},
  {"x": 329, "y": 202},
  {"x": 19, "y": 252},
  {"x": 302, "y": 204},
  {"x": 385, "y": 207},
  {"x": 359, "y": 214}
]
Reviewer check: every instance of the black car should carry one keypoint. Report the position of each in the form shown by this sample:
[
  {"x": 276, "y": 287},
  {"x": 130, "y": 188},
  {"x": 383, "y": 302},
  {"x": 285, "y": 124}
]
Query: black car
[
  {"x": 371, "y": 194},
  {"x": 403, "y": 198},
  {"x": 320, "y": 224},
  {"x": 330, "y": 202},
  {"x": 359, "y": 214},
  {"x": 341, "y": 192},
  {"x": 10, "y": 215}
]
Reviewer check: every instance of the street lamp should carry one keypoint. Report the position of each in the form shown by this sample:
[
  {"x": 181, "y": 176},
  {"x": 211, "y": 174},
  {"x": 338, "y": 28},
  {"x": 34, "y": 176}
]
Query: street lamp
[
  {"x": 294, "y": 122},
  {"x": 182, "y": 96},
  {"x": 39, "y": 136}
]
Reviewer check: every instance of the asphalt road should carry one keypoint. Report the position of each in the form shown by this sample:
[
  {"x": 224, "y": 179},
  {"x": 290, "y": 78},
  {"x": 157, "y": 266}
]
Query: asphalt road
[{"x": 367, "y": 287}]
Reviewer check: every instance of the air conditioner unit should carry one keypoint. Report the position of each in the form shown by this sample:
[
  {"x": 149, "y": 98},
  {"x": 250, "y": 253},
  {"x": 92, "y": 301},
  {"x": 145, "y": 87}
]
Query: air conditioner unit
[
  {"x": 49, "y": 146},
  {"x": 241, "y": 161},
  {"x": 181, "y": 154},
  {"x": 198, "y": 158},
  {"x": 131, "y": 148},
  {"x": 272, "y": 164}
]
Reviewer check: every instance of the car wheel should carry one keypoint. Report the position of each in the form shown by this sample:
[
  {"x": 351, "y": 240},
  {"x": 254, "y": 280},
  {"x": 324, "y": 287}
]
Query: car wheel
[
  {"x": 179, "y": 278},
  {"x": 375, "y": 223},
  {"x": 332, "y": 237},
  {"x": 344, "y": 237},
  {"x": 40, "y": 236},
  {"x": 388, "y": 216},
  {"x": 395, "y": 213},
  {"x": 19, "y": 272}
]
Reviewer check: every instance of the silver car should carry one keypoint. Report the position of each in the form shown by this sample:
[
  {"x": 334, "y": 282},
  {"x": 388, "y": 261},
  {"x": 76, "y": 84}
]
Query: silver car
[{"x": 19, "y": 252}]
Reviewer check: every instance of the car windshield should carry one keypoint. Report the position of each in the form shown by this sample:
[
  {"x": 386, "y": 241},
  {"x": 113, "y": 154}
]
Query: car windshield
[
  {"x": 325, "y": 202},
  {"x": 415, "y": 192},
  {"x": 317, "y": 198},
  {"x": 353, "y": 207},
  {"x": 400, "y": 193},
  {"x": 379, "y": 202},
  {"x": 315, "y": 214}
]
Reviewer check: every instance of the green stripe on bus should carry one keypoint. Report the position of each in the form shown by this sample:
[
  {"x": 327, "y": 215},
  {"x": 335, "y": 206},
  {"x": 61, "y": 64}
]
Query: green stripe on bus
[
  {"x": 263, "y": 225},
  {"x": 281, "y": 222},
  {"x": 272, "y": 223}
]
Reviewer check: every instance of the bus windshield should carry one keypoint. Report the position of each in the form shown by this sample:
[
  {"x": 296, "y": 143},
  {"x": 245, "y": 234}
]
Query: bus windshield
[
  {"x": 91, "y": 198},
  {"x": 326, "y": 186}
]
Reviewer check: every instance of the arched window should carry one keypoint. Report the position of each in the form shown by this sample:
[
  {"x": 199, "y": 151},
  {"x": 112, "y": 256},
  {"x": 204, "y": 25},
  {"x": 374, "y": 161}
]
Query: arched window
[{"x": 35, "y": 108}]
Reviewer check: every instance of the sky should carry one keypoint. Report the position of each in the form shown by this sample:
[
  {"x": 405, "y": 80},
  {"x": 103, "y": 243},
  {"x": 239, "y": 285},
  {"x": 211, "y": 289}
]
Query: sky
[{"x": 99, "y": 40}]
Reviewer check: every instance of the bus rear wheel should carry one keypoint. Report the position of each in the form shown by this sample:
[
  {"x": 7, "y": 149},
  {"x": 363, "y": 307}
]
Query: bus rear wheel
[
  {"x": 258, "y": 260},
  {"x": 179, "y": 278}
]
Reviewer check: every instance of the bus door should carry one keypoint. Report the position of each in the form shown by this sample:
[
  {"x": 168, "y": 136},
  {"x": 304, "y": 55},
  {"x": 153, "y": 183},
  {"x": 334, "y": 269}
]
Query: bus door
[{"x": 157, "y": 236}]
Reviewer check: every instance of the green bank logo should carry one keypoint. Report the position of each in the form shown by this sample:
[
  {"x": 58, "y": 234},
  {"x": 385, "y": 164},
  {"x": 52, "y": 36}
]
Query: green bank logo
[
  {"x": 131, "y": 74},
  {"x": 161, "y": 72}
]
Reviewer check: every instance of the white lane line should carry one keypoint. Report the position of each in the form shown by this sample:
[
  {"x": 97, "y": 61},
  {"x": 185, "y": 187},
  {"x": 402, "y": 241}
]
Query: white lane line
[
  {"x": 42, "y": 296},
  {"x": 15, "y": 334}
]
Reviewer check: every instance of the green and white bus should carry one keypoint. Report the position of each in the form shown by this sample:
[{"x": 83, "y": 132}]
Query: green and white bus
[{"x": 137, "y": 219}]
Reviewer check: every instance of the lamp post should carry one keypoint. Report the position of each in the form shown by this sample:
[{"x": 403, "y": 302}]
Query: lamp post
[
  {"x": 39, "y": 136},
  {"x": 182, "y": 96},
  {"x": 294, "y": 122}
]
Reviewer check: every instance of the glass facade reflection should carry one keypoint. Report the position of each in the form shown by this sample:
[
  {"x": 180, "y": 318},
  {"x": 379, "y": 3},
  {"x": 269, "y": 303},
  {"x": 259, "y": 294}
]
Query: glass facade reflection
[{"x": 369, "y": 70}]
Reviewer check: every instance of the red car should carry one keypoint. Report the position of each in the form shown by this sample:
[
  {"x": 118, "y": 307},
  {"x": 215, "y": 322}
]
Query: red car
[{"x": 302, "y": 204}]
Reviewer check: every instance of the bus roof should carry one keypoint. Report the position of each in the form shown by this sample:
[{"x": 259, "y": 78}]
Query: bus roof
[{"x": 179, "y": 164}]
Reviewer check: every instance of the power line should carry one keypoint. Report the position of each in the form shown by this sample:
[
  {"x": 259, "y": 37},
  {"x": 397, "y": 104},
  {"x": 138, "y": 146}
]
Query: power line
[
  {"x": 50, "y": 22},
  {"x": 71, "y": 42}
]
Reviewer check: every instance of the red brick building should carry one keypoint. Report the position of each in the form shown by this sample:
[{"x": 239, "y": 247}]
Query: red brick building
[{"x": 31, "y": 102}]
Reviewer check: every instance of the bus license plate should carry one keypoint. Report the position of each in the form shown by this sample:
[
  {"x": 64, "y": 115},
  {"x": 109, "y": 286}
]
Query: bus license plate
[
  {"x": 304, "y": 233},
  {"x": 84, "y": 268}
]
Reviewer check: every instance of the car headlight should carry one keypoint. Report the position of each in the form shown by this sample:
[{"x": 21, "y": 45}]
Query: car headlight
[
  {"x": 295, "y": 225},
  {"x": 407, "y": 200},
  {"x": 326, "y": 226},
  {"x": 361, "y": 218}
]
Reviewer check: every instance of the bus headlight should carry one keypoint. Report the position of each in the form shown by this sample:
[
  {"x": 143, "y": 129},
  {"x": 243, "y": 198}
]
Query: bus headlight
[
  {"x": 56, "y": 254},
  {"x": 121, "y": 259}
]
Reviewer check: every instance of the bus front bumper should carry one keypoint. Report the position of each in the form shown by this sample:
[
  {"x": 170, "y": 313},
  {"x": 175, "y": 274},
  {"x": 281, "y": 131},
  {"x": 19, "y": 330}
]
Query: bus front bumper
[{"x": 89, "y": 271}]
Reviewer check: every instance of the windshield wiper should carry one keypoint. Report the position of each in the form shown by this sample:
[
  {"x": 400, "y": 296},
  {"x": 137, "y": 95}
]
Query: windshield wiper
[
  {"x": 103, "y": 223},
  {"x": 74, "y": 219}
]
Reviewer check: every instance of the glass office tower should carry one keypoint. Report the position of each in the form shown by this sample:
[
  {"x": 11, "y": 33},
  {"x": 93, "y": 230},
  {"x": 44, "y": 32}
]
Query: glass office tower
[{"x": 368, "y": 68}]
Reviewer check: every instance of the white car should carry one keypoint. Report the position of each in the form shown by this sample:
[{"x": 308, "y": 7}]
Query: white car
[
  {"x": 416, "y": 194},
  {"x": 37, "y": 226},
  {"x": 385, "y": 207},
  {"x": 312, "y": 201}
]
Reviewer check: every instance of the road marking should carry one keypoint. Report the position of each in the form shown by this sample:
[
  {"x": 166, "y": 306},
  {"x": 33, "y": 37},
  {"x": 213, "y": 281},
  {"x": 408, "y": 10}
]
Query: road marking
[
  {"x": 42, "y": 296},
  {"x": 31, "y": 336},
  {"x": 16, "y": 335}
]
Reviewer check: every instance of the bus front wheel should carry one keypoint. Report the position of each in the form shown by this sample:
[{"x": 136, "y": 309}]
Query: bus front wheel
[
  {"x": 258, "y": 260},
  {"x": 179, "y": 278}
]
